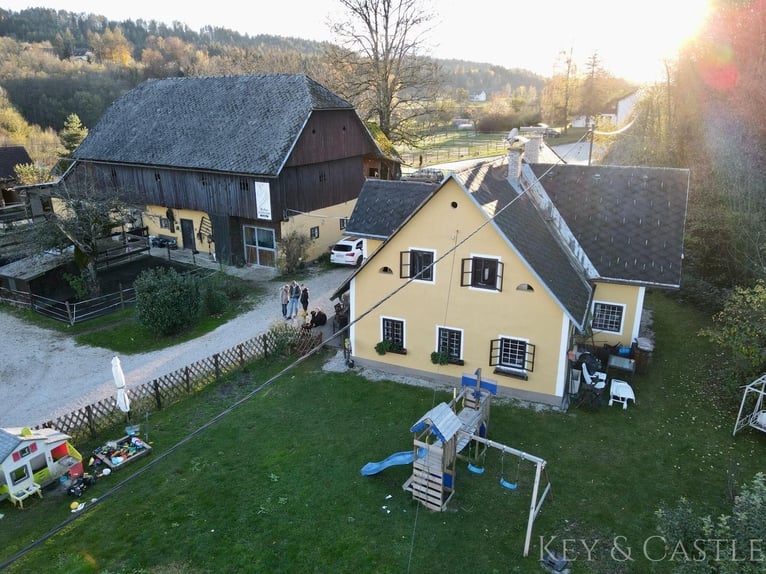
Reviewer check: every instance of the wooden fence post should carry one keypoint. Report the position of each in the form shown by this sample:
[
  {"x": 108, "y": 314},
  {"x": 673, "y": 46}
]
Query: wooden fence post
[
  {"x": 69, "y": 313},
  {"x": 157, "y": 396},
  {"x": 91, "y": 426}
]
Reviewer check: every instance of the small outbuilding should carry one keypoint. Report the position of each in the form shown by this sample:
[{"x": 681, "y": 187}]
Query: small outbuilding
[{"x": 32, "y": 459}]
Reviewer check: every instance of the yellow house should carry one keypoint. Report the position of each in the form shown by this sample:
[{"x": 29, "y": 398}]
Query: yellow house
[{"x": 493, "y": 271}]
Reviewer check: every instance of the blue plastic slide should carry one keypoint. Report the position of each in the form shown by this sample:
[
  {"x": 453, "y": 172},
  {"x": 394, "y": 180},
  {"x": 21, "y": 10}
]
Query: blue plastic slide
[{"x": 404, "y": 457}]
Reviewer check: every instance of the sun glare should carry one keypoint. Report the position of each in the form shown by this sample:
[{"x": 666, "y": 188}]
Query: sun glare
[
  {"x": 677, "y": 22},
  {"x": 637, "y": 48}
]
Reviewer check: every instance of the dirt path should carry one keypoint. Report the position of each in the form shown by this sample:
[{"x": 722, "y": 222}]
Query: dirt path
[{"x": 44, "y": 375}]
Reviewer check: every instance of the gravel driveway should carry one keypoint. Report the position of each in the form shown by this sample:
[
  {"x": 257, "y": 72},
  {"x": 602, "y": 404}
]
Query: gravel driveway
[{"x": 44, "y": 374}]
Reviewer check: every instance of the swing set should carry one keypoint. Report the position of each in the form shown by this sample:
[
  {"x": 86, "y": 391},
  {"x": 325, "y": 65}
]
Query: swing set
[
  {"x": 538, "y": 496},
  {"x": 442, "y": 434},
  {"x": 475, "y": 469}
]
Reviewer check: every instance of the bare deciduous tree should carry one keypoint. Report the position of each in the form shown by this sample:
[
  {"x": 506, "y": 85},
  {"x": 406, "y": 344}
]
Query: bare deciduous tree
[
  {"x": 382, "y": 66},
  {"x": 84, "y": 217}
]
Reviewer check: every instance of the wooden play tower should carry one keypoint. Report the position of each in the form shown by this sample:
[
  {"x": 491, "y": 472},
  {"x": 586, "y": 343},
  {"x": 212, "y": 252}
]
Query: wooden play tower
[
  {"x": 438, "y": 441},
  {"x": 444, "y": 432}
]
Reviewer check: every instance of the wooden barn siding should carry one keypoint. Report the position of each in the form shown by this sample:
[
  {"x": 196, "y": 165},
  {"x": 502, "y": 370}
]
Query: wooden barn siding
[
  {"x": 312, "y": 187},
  {"x": 329, "y": 136}
]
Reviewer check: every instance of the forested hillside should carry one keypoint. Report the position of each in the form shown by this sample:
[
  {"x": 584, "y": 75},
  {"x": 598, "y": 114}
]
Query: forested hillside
[{"x": 46, "y": 81}]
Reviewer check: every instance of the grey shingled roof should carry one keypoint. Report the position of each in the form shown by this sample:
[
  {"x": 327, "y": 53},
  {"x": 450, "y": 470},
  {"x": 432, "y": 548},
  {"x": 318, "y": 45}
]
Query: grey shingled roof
[
  {"x": 628, "y": 220},
  {"x": 10, "y": 157},
  {"x": 8, "y": 443},
  {"x": 517, "y": 218},
  {"x": 383, "y": 205},
  {"x": 241, "y": 124}
]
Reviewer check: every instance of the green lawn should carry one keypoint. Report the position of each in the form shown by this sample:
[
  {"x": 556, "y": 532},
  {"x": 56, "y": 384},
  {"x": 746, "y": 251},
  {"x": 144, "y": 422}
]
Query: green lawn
[{"x": 245, "y": 478}]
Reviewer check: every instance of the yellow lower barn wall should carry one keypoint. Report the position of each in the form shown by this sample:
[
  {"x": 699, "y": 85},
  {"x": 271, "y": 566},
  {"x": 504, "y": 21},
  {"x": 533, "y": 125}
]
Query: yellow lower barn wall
[
  {"x": 154, "y": 213},
  {"x": 328, "y": 221},
  {"x": 632, "y": 297},
  {"x": 483, "y": 315}
]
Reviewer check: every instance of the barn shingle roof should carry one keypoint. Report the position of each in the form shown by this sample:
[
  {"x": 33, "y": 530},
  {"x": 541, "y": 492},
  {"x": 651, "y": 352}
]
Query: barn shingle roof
[
  {"x": 241, "y": 124},
  {"x": 10, "y": 157}
]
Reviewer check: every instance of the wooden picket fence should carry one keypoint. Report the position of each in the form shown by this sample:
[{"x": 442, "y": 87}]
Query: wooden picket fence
[{"x": 157, "y": 394}]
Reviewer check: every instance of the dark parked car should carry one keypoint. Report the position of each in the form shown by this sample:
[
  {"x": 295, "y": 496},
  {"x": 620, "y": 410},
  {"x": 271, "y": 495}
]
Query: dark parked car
[
  {"x": 551, "y": 133},
  {"x": 164, "y": 242}
]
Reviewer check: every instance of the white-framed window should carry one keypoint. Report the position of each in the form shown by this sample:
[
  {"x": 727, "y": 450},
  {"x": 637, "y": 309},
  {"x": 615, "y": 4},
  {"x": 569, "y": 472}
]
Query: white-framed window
[
  {"x": 482, "y": 272},
  {"x": 19, "y": 474},
  {"x": 392, "y": 330},
  {"x": 417, "y": 264},
  {"x": 608, "y": 317},
  {"x": 512, "y": 356},
  {"x": 450, "y": 341}
]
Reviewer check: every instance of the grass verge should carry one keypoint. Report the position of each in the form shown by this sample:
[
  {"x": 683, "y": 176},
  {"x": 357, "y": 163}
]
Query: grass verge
[{"x": 272, "y": 483}]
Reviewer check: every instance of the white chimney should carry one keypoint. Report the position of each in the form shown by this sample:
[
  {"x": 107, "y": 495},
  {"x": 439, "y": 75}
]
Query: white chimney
[
  {"x": 532, "y": 147},
  {"x": 515, "y": 153}
]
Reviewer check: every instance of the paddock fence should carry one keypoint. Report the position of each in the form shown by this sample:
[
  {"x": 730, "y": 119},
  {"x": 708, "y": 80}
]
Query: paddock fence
[
  {"x": 81, "y": 311},
  {"x": 89, "y": 421}
]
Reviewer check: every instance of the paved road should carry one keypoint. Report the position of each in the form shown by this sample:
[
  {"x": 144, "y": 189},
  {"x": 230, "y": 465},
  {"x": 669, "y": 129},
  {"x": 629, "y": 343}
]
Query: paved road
[{"x": 44, "y": 375}]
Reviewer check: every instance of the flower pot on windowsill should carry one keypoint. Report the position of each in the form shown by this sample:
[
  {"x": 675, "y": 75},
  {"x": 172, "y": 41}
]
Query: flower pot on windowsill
[
  {"x": 439, "y": 358},
  {"x": 383, "y": 347}
]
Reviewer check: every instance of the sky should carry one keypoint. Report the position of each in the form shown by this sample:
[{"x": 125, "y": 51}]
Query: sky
[{"x": 631, "y": 38}]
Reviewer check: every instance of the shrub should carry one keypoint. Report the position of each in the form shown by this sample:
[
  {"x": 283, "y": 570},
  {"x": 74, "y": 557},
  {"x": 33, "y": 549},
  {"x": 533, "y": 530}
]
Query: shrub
[
  {"x": 717, "y": 544},
  {"x": 293, "y": 248},
  {"x": 166, "y": 301},
  {"x": 214, "y": 293}
]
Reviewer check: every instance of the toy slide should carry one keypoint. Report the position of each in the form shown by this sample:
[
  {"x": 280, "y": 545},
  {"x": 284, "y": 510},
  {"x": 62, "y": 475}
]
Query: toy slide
[{"x": 404, "y": 457}]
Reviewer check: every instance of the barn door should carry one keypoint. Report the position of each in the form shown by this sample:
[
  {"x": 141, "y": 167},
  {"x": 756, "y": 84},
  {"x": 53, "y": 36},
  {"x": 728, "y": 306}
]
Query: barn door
[{"x": 187, "y": 233}]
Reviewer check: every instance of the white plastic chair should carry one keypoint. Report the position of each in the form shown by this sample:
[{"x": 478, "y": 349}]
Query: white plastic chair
[
  {"x": 621, "y": 392},
  {"x": 597, "y": 379}
]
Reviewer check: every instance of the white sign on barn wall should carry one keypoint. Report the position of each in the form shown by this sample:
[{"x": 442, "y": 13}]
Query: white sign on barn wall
[{"x": 263, "y": 200}]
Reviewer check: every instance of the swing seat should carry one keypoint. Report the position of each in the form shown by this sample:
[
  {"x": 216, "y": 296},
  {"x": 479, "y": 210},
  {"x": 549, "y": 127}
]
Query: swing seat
[
  {"x": 475, "y": 469},
  {"x": 509, "y": 485}
]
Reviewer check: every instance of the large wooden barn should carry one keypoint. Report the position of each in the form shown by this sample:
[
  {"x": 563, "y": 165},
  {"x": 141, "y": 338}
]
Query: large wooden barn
[{"x": 230, "y": 165}]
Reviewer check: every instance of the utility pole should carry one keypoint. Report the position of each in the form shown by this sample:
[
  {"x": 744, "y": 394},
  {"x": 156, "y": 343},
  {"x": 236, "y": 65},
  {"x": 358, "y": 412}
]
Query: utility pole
[{"x": 591, "y": 133}]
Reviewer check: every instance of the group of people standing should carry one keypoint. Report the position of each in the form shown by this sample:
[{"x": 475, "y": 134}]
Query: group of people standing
[{"x": 292, "y": 295}]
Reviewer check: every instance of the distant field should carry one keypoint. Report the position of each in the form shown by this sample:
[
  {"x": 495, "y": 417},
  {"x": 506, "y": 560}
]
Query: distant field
[{"x": 453, "y": 145}]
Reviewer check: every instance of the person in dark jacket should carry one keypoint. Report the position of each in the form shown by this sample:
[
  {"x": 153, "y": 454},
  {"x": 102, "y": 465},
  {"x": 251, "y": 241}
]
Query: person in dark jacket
[
  {"x": 318, "y": 318},
  {"x": 304, "y": 297},
  {"x": 295, "y": 295}
]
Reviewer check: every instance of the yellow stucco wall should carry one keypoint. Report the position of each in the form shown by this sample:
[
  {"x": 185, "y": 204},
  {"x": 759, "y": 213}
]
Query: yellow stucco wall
[
  {"x": 328, "y": 222},
  {"x": 154, "y": 213},
  {"x": 483, "y": 315},
  {"x": 632, "y": 298}
]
